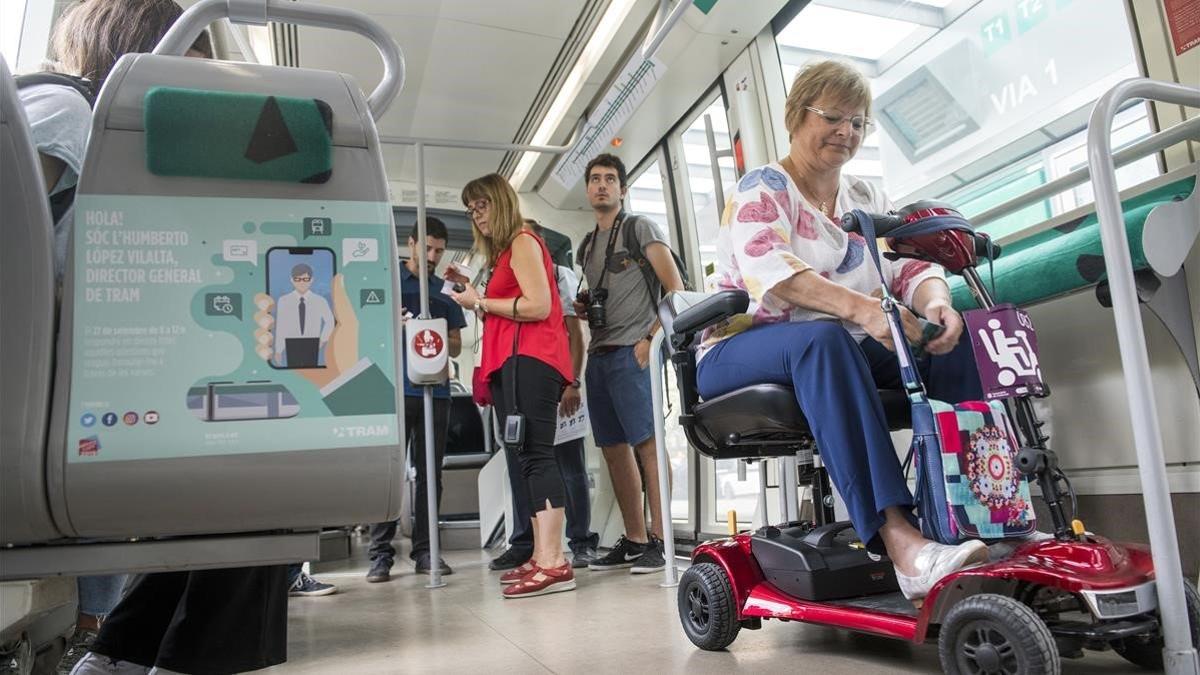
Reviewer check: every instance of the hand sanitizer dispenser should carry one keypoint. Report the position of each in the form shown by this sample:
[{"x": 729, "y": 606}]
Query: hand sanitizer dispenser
[{"x": 427, "y": 351}]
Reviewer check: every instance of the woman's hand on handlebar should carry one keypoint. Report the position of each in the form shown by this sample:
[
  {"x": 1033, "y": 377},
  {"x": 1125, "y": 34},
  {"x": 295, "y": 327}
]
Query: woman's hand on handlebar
[
  {"x": 941, "y": 312},
  {"x": 875, "y": 323}
]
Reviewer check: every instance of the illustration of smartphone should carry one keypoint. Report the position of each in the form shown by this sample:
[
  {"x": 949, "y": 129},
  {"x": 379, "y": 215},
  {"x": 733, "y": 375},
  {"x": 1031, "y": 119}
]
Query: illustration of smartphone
[{"x": 300, "y": 281}]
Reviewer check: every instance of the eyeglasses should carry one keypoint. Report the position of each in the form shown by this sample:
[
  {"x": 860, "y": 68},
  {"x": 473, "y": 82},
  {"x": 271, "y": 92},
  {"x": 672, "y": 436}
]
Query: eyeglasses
[
  {"x": 478, "y": 206},
  {"x": 859, "y": 123},
  {"x": 302, "y": 278}
]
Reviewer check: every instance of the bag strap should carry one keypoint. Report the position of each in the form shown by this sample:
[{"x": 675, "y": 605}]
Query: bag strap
[{"x": 891, "y": 308}]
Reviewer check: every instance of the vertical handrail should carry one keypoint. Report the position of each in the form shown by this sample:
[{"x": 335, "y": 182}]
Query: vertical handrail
[
  {"x": 670, "y": 574},
  {"x": 1179, "y": 655}
]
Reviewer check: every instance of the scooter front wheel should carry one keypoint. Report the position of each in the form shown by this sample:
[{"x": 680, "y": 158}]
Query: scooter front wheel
[
  {"x": 997, "y": 635},
  {"x": 707, "y": 608}
]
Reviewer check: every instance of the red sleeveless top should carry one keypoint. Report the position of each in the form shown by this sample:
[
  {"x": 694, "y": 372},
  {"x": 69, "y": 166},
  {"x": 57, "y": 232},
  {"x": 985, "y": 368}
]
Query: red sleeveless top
[{"x": 544, "y": 340}]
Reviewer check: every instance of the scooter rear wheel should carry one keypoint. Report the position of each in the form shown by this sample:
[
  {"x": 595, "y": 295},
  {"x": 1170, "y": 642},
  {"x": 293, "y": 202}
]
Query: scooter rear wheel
[
  {"x": 707, "y": 608},
  {"x": 996, "y": 635},
  {"x": 1148, "y": 653}
]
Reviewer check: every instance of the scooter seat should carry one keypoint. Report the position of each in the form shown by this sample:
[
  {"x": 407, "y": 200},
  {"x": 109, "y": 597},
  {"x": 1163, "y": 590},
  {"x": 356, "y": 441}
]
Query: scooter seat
[{"x": 764, "y": 420}]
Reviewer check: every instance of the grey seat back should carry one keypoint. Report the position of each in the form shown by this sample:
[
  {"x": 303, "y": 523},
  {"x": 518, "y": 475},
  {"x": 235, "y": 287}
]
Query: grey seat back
[
  {"x": 27, "y": 330},
  {"x": 166, "y": 421}
]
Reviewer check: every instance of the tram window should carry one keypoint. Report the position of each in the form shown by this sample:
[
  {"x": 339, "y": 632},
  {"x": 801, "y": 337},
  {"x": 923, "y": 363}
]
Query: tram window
[
  {"x": 647, "y": 198},
  {"x": 978, "y": 102},
  {"x": 706, "y": 210}
]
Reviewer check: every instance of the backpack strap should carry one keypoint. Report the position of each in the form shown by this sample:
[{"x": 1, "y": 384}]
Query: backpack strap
[
  {"x": 79, "y": 84},
  {"x": 634, "y": 247}
]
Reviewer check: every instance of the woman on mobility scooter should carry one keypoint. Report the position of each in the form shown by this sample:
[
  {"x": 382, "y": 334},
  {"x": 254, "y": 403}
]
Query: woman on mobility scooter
[{"x": 780, "y": 241}]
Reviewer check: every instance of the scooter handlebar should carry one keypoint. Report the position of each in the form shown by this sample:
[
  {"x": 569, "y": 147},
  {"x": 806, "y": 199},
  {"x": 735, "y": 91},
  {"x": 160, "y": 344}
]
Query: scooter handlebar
[{"x": 884, "y": 223}]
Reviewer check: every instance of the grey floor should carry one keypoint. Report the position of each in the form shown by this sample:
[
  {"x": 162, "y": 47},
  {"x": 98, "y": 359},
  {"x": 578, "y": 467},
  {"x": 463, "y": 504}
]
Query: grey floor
[{"x": 613, "y": 623}]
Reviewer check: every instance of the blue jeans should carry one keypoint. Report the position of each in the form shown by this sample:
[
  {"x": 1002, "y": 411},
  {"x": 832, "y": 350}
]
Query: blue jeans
[
  {"x": 99, "y": 594},
  {"x": 836, "y": 382}
]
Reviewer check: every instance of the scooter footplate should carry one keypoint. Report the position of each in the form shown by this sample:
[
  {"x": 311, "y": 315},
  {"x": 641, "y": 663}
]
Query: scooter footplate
[{"x": 891, "y": 603}]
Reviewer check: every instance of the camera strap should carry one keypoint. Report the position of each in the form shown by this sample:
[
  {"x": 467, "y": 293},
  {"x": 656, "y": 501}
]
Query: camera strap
[{"x": 608, "y": 249}]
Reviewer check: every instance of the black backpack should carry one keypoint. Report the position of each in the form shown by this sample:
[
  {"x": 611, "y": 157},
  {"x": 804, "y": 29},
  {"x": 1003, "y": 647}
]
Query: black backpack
[
  {"x": 639, "y": 256},
  {"x": 61, "y": 202}
]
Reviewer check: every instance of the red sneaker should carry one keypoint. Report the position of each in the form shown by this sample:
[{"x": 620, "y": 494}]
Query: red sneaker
[
  {"x": 518, "y": 573},
  {"x": 542, "y": 581}
]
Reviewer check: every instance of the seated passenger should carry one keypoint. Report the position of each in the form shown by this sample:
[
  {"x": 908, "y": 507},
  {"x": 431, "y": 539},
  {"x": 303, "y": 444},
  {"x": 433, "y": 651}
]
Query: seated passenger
[{"x": 814, "y": 323}]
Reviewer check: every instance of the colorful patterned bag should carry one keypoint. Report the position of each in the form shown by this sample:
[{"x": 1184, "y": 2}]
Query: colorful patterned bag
[{"x": 968, "y": 484}]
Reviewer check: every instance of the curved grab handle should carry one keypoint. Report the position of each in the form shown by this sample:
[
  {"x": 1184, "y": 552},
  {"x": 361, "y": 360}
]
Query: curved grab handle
[{"x": 199, "y": 16}]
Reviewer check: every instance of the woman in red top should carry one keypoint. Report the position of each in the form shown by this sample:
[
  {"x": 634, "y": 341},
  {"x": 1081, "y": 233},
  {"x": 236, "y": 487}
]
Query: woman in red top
[{"x": 526, "y": 363}]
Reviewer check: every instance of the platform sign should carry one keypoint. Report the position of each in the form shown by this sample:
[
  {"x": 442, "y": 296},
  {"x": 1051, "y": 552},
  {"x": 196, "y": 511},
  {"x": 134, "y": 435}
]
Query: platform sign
[
  {"x": 1006, "y": 355},
  {"x": 996, "y": 32},
  {"x": 215, "y": 326}
]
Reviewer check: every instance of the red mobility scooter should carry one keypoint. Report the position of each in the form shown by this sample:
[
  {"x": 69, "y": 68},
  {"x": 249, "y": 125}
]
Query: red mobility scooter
[{"x": 1051, "y": 597}]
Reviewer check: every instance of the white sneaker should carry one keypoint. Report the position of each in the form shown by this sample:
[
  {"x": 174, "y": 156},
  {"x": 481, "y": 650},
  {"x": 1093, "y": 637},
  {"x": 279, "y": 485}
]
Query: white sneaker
[
  {"x": 1005, "y": 547},
  {"x": 935, "y": 561},
  {"x": 95, "y": 664}
]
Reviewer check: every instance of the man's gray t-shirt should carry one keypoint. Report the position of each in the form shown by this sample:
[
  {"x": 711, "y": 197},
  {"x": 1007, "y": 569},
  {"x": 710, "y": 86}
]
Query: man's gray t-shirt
[{"x": 631, "y": 310}]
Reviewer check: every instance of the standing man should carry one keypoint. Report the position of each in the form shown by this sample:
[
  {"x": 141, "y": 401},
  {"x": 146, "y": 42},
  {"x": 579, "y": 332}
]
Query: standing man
[
  {"x": 440, "y": 307},
  {"x": 572, "y": 462},
  {"x": 618, "y": 258}
]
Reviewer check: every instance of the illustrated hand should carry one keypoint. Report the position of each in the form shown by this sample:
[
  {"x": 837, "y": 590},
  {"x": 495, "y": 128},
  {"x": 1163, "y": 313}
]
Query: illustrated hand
[
  {"x": 641, "y": 353},
  {"x": 941, "y": 312},
  {"x": 341, "y": 351},
  {"x": 572, "y": 398}
]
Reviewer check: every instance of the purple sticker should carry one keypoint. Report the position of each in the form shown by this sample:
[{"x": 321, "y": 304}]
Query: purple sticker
[{"x": 1005, "y": 346}]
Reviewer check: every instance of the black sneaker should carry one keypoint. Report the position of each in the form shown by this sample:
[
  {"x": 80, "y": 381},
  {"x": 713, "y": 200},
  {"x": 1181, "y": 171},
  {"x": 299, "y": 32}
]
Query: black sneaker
[
  {"x": 307, "y": 586},
  {"x": 652, "y": 560},
  {"x": 381, "y": 570},
  {"x": 422, "y": 562},
  {"x": 509, "y": 559},
  {"x": 583, "y": 557},
  {"x": 622, "y": 555}
]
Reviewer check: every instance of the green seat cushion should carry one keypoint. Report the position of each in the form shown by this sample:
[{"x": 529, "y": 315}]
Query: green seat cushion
[
  {"x": 225, "y": 134},
  {"x": 1065, "y": 258}
]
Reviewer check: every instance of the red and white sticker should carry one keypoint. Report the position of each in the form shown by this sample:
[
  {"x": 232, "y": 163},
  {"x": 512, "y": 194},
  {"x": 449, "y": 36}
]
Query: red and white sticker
[{"x": 428, "y": 344}]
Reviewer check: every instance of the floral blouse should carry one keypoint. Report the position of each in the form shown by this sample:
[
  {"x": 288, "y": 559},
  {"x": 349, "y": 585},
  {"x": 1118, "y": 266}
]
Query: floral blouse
[{"x": 769, "y": 232}]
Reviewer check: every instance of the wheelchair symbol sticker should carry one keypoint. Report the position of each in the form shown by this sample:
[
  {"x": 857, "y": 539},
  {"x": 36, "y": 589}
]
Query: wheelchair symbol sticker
[{"x": 1005, "y": 347}]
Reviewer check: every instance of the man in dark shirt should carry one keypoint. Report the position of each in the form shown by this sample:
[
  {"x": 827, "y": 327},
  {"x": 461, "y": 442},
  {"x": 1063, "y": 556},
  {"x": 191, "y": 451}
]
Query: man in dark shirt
[{"x": 440, "y": 307}]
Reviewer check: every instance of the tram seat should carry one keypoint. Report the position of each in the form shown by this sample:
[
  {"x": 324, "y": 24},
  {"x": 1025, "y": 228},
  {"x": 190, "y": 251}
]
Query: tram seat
[
  {"x": 41, "y": 610},
  {"x": 1068, "y": 258},
  {"x": 177, "y": 475},
  {"x": 761, "y": 420},
  {"x": 27, "y": 331}
]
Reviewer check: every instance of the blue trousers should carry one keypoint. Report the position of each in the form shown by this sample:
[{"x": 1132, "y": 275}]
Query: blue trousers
[{"x": 836, "y": 381}]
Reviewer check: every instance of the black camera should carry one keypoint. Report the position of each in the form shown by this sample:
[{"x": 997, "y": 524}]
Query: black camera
[{"x": 597, "y": 311}]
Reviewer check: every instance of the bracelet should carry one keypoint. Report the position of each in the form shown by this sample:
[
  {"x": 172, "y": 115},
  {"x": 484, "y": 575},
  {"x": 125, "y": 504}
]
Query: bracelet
[
  {"x": 479, "y": 306},
  {"x": 576, "y": 384}
]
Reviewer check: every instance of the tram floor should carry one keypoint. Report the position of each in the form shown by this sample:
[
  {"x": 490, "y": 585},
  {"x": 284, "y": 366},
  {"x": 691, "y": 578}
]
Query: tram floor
[{"x": 614, "y": 622}]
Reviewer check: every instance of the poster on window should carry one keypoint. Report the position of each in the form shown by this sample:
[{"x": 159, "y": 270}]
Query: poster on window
[{"x": 1183, "y": 18}]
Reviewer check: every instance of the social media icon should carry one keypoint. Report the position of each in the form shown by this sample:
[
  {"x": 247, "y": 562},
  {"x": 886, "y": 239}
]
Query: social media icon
[
  {"x": 131, "y": 418},
  {"x": 109, "y": 419},
  {"x": 151, "y": 417},
  {"x": 88, "y": 419}
]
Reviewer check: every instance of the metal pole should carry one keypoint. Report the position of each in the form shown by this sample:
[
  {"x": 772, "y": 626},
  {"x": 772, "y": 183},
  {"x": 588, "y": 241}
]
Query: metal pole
[
  {"x": 676, "y": 14},
  {"x": 1186, "y": 130},
  {"x": 431, "y": 467},
  {"x": 714, "y": 163},
  {"x": 472, "y": 145},
  {"x": 670, "y": 574},
  {"x": 1179, "y": 655}
]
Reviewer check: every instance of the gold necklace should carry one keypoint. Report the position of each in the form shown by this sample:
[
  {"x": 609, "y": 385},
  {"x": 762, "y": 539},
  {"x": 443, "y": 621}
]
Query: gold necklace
[{"x": 824, "y": 205}]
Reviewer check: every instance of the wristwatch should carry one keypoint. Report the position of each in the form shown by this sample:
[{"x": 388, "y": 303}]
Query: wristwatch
[
  {"x": 576, "y": 384},
  {"x": 649, "y": 337}
]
